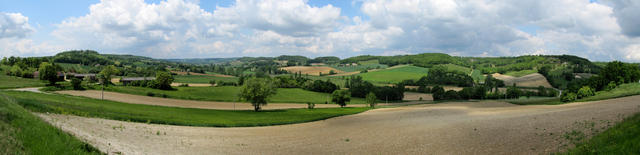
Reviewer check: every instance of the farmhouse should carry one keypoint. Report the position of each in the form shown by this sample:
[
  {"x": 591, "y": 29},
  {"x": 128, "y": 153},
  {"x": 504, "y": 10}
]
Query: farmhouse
[{"x": 128, "y": 80}]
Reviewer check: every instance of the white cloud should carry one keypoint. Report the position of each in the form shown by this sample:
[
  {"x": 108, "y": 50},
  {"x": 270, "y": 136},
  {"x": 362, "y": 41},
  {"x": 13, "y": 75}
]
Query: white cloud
[{"x": 14, "y": 25}]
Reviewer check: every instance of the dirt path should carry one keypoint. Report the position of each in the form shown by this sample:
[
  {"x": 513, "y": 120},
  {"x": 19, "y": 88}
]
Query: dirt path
[
  {"x": 137, "y": 99},
  {"x": 450, "y": 128}
]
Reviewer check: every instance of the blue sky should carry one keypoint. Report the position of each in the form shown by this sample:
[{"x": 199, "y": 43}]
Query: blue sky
[{"x": 598, "y": 30}]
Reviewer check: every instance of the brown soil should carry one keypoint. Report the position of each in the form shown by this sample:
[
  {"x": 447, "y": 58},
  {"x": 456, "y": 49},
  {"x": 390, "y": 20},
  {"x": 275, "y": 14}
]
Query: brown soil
[
  {"x": 311, "y": 70},
  {"x": 451, "y": 128},
  {"x": 137, "y": 99},
  {"x": 531, "y": 80},
  {"x": 412, "y": 96}
]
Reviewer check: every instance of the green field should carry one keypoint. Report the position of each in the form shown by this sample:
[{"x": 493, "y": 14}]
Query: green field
[
  {"x": 363, "y": 65},
  {"x": 456, "y": 68},
  {"x": 88, "y": 107},
  {"x": 230, "y": 94},
  {"x": 623, "y": 138},
  {"x": 521, "y": 73},
  {"x": 18, "y": 82},
  {"x": 477, "y": 76},
  {"x": 202, "y": 78},
  {"x": 395, "y": 75},
  {"x": 24, "y": 133}
]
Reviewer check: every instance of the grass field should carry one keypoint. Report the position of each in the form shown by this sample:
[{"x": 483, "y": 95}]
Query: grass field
[
  {"x": 88, "y": 107},
  {"x": 623, "y": 138},
  {"x": 202, "y": 78},
  {"x": 477, "y": 76},
  {"x": 364, "y": 65},
  {"x": 230, "y": 94},
  {"x": 622, "y": 91},
  {"x": 18, "y": 82},
  {"x": 24, "y": 133},
  {"x": 395, "y": 75},
  {"x": 521, "y": 73}
]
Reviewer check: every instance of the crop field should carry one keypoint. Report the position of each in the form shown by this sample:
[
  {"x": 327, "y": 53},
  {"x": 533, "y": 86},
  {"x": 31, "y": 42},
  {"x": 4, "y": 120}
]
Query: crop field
[
  {"x": 202, "y": 79},
  {"x": 311, "y": 70},
  {"x": 88, "y": 107},
  {"x": 395, "y": 75},
  {"x": 18, "y": 82},
  {"x": 363, "y": 65},
  {"x": 229, "y": 94},
  {"x": 521, "y": 73}
]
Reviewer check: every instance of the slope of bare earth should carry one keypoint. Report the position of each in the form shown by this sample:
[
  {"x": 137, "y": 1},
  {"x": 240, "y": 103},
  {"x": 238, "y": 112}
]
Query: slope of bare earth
[
  {"x": 137, "y": 99},
  {"x": 311, "y": 70},
  {"x": 531, "y": 80},
  {"x": 452, "y": 128}
]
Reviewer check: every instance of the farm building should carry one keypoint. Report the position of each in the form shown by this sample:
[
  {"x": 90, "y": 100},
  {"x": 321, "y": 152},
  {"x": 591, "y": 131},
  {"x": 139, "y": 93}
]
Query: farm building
[{"x": 127, "y": 80}]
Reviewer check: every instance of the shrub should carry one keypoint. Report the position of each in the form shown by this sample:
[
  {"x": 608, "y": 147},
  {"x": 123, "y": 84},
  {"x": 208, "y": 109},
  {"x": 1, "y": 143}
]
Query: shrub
[
  {"x": 371, "y": 99},
  {"x": 184, "y": 85},
  {"x": 76, "y": 83},
  {"x": 151, "y": 94},
  {"x": 612, "y": 85},
  {"x": 585, "y": 91},
  {"x": 451, "y": 95},
  {"x": 568, "y": 97},
  {"x": 310, "y": 105}
]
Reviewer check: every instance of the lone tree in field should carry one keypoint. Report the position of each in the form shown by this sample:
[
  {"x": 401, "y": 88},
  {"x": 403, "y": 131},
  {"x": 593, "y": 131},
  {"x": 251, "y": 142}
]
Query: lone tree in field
[
  {"x": 371, "y": 99},
  {"x": 164, "y": 80},
  {"x": 257, "y": 91},
  {"x": 49, "y": 72},
  {"x": 106, "y": 73},
  {"x": 341, "y": 97}
]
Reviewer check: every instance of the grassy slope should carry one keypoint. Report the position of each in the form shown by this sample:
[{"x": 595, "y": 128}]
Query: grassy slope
[
  {"x": 477, "y": 76},
  {"x": 202, "y": 78},
  {"x": 395, "y": 75},
  {"x": 23, "y": 133},
  {"x": 17, "y": 82},
  {"x": 370, "y": 64},
  {"x": 623, "y": 138},
  {"x": 521, "y": 73},
  {"x": 629, "y": 89},
  {"x": 171, "y": 115},
  {"x": 230, "y": 94}
]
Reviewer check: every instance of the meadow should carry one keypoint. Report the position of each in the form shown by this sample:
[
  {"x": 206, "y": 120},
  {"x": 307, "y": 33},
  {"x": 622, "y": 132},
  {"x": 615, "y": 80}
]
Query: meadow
[
  {"x": 87, "y": 107},
  {"x": 24, "y": 133},
  {"x": 229, "y": 94},
  {"x": 395, "y": 75},
  {"x": 202, "y": 78},
  {"x": 18, "y": 82},
  {"x": 521, "y": 73}
]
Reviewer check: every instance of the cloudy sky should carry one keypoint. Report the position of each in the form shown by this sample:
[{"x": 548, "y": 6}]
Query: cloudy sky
[{"x": 601, "y": 30}]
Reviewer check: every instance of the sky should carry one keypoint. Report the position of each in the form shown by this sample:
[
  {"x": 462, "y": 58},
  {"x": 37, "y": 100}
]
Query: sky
[{"x": 600, "y": 30}]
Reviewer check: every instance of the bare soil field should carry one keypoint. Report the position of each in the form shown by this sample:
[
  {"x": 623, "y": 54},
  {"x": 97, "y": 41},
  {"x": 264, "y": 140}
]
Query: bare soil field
[
  {"x": 487, "y": 127},
  {"x": 311, "y": 70},
  {"x": 412, "y": 96},
  {"x": 531, "y": 80},
  {"x": 137, "y": 99}
]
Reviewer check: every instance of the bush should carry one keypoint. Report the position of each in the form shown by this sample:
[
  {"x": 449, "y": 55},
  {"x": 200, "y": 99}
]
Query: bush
[
  {"x": 184, "y": 85},
  {"x": 612, "y": 85},
  {"x": 438, "y": 93},
  {"x": 151, "y": 94},
  {"x": 310, "y": 105},
  {"x": 76, "y": 83},
  {"x": 568, "y": 97},
  {"x": 585, "y": 91},
  {"x": 451, "y": 95}
]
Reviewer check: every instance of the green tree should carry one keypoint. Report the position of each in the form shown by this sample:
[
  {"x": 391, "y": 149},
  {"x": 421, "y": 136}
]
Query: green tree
[
  {"x": 371, "y": 99},
  {"x": 438, "y": 93},
  {"x": 164, "y": 80},
  {"x": 49, "y": 72},
  {"x": 76, "y": 83},
  {"x": 257, "y": 91},
  {"x": 15, "y": 71},
  {"x": 341, "y": 97},
  {"x": 585, "y": 91},
  {"x": 106, "y": 73}
]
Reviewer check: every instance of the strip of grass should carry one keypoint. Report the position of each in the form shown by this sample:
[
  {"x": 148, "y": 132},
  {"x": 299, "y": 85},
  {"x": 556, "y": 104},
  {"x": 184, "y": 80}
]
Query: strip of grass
[
  {"x": 88, "y": 107},
  {"x": 521, "y": 73},
  {"x": 229, "y": 94},
  {"x": 7, "y": 82},
  {"x": 23, "y": 133},
  {"x": 623, "y": 138},
  {"x": 623, "y": 90}
]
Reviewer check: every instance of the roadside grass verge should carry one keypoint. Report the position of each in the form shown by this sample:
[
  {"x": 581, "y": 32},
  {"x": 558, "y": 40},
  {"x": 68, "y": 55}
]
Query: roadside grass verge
[
  {"x": 228, "y": 94},
  {"x": 623, "y": 138},
  {"x": 24, "y": 133},
  {"x": 623, "y": 90},
  {"x": 82, "y": 106},
  {"x": 9, "y": 82}
]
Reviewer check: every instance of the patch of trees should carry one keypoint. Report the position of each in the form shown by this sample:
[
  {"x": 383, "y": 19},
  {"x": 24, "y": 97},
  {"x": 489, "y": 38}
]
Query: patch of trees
[
  {"x": 321, "y": 86},
  {"x": 326, "y": 60},
  {"x": 83, "y": 57},
  {"x": 612, "y": 75},
  {"x": 163, "y": 82},
  {"x": 482, "y": 92},
  {"x": 361, "y": 88},
  {"x": 440, "y": 76}
]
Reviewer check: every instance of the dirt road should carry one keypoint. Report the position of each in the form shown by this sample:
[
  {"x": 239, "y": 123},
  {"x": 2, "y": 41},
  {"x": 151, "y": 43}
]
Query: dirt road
[
  {"x": 137, "y": 99},
  {"x": 449, "y": 128}
]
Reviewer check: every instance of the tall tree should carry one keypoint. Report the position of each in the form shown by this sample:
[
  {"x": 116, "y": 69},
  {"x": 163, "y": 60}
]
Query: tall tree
[
  {"x": 164, "y": 80},
  {"x": 257, "y": 91},
  {"x": 341, "y": 97},
  {"x": 49, "y": 72},
  {"x": 107, "y": 72}
]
